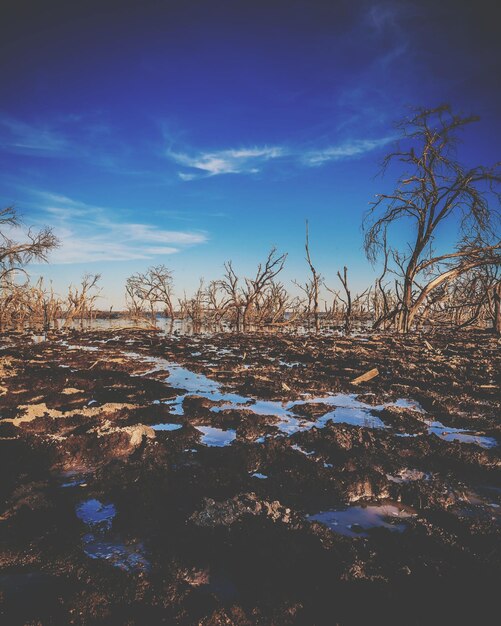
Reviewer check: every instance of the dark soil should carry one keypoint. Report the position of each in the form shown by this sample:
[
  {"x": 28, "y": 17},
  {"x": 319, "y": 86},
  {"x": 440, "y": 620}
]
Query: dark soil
[{"x": 105, "y": 520}]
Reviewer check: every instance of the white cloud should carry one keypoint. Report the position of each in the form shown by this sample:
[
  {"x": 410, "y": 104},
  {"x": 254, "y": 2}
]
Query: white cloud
[
  {"x": 232, "y": 161},
  {"x": 89, "y": 234},
  {"x": 253, "y": 160},
  {"x": 346, "y": 150}
]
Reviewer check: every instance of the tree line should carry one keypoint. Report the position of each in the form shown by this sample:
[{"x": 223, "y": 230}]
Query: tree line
[{"x": 435, "y": 196}]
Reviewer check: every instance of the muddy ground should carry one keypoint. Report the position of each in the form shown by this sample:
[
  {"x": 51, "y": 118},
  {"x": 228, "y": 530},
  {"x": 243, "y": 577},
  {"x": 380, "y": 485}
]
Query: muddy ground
[{"x": 234, "y": 479}]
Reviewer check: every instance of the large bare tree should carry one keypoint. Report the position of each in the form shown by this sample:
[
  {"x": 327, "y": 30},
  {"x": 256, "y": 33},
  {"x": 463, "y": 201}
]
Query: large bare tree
[
  {"x": 15, "y": 253},
  {"x": 435, "y": 193}
]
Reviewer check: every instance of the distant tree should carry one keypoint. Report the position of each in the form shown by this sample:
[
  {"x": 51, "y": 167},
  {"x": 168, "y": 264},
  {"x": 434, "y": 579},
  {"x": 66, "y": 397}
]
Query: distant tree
[
  {"x": 435, "y": 190},
  {"x": 153, "y": 289},
  {"x": 314, "y": 283},
  {"x": 245, "y": 300},
  {"x": 81, "y": 299}
]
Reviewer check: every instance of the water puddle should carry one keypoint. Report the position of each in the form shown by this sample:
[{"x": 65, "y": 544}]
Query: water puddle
[
  {"x": 459, "y": 434},
  {"x": 216, "y": 437},
  {"x": 192, "y": 383},
  {"x": 302, "y": 450},
  {"x": 102, "y": 543},
  {"x": 72, "y": 347},
  {"x": 74, "y": 479},
  {"x": 481, "y": 504},
  {"x": 167, "y": 427},
  {"x": 357, "y": 521},
  {"x": 96, "y": 514},
  {"x": 346, "y": 408},
  {"x": 128, "y": 557}
]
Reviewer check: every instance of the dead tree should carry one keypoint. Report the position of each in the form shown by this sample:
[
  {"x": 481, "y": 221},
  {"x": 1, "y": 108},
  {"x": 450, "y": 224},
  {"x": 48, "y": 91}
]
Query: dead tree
[
  {"x": 350, "y": 304},
  {"x": 194, "y": 308},
  {"x": 434, "y": 189},
  {"x": 133, "y": 299},
  {"x": 496, "y": 317},
  {"x": 14, "y": 254},
  {"x": 254, "y": 287},
  {"x": 347, "y": 302},
  {"x": 316, "y": 281},
  {"x": 152, "y": 289},
  {"x": 229, "y": 285},
  {"x": 217, "y": 305},
  {"x": 17, "y": 297},
  {"x": 244, "y": 300},
  {"x": 81, "y": 299}
]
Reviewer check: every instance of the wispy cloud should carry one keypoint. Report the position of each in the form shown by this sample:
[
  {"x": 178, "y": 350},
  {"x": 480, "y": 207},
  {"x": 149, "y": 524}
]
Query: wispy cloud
[
  {"x": 254, "y": 160},
  {"x": 92, "y": 233},
  {"x": 232, "y": 161},
  {"x": 25, "y": 138},
  {"x": 345, "y": 150}
]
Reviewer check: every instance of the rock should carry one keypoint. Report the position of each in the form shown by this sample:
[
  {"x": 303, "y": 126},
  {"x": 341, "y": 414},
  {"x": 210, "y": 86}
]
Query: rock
[
  {"x": 137, "y": 433},
  {"x": 229, "y": 511}
]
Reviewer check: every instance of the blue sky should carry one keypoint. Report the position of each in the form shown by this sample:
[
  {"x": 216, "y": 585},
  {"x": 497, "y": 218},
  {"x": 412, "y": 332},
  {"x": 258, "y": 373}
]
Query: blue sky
[{"x": 189, "y": 133}]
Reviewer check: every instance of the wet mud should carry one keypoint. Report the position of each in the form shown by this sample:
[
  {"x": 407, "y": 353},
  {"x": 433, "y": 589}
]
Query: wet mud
[{"x": 245, "y": 479}]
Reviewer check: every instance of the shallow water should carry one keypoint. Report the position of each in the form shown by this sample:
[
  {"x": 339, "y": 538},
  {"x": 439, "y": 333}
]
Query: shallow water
[
  {"x": 96, "y": 514},
  {"x": 167, "y": 427},
  {"x": 128, "y": 557},
  {"x": 102, "y": 543},
  {"x": 459, "y": 434},
  {"x": 356, "y": 521},
  {"x": 346, "y": 408},
  {"x": 74, "y": 479},
  {"x": 216, "y": 437},
  {"x": 302, "y": 450}
]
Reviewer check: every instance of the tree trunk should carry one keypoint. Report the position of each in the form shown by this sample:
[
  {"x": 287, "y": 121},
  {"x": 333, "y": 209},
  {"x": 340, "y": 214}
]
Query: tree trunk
[{"x": 497, "y": 310}]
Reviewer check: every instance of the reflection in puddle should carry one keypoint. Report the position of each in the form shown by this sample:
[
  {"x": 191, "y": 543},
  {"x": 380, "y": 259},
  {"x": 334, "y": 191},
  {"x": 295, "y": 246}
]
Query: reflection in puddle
[
  {"x": 459, "y": 434},
  {"x": 302, "y": 450},
  {"x": 356, "y": 521},
  {"x": 167, "y": 427},
  {"x": 129, "y": 557},
  {"x": 101, "y": 543},
  {"x": 96, "y": 514},
  {"x": 480, "y": 505},
  {"x": 216, "y": 437},
  {"x": 74, "y": 479},
  {"x": 194, "y": 384},
  {"x": 346, "y": 408}
]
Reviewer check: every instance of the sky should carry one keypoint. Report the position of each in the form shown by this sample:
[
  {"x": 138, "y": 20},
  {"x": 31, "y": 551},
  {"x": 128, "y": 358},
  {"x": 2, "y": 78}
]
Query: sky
[{"x": 192, "y": 132}]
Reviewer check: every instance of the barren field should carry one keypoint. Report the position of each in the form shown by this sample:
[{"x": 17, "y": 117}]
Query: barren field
[{"x": 246, "y": 479}]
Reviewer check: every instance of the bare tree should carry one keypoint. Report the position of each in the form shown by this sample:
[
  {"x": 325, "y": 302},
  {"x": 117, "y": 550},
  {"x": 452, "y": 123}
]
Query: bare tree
[
  {"x": 255, "y": 287},
  {"x": 152, "y": 289},
  {"x": 316, "y": 281},
  {"x": 14, "y": 254},
  {"x": 434, "y": 189},
  {"x": 20, "y": 301},
  {"x": 81, "y": 299},
  {"x": 245, "y": 301}
]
